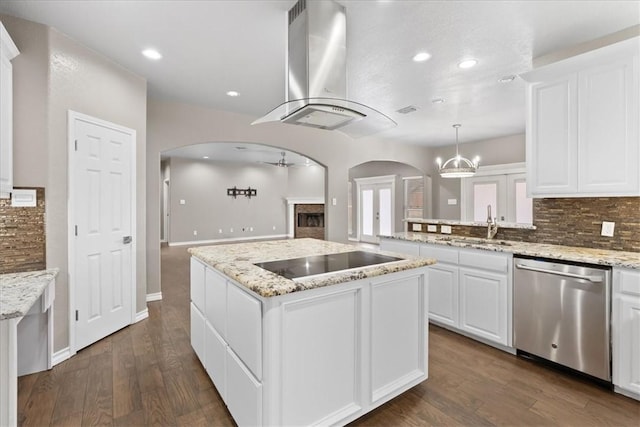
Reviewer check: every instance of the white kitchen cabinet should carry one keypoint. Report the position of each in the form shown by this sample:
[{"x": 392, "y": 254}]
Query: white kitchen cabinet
[
  {"x": 216, "y": 301},
  {"x": 443, "y": 294},
  {"x": 8, "y": 51},
  {"x": 626, "y": 331},
  {"x": 399, "y": 246},
  {"x": 582, "y": 137},
  {"x": 244, "y": 393},
  {"x": 198, "y": 332},
  {"x": 216, "y": 359},
  {"x": 197, "y": 285},
  {"x": 244, "y": 328}
]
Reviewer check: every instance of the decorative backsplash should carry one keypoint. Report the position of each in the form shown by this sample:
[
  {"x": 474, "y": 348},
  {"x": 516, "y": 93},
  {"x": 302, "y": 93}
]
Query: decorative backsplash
[
  {"x": 22, "y": 236},
  {"x": 575, "y": 222}
]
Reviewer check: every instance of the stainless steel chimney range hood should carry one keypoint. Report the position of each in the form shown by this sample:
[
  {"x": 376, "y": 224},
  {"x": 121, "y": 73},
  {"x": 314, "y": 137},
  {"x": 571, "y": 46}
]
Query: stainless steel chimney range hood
[{"x": 317, "y": 78}]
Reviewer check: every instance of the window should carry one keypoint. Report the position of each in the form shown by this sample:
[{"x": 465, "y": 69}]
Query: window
[
  {"x": 504, "y": 188},
  {"x": 413, "y": 197}
]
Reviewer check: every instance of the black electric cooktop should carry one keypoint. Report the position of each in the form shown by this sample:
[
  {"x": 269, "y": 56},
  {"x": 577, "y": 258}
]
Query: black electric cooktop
[{"x": 319, "y": 264}]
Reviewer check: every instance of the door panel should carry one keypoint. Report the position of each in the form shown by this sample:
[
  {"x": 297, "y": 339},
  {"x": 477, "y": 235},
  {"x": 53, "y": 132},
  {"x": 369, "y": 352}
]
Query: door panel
[
  {"x": 376, "y": 211},
  {"x": 101, "y": 266}
]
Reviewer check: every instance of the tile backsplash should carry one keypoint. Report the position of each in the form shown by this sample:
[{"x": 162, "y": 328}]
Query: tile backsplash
[
  {"x": 576, "y": 222},
  {"x": 22, "y": 236}
]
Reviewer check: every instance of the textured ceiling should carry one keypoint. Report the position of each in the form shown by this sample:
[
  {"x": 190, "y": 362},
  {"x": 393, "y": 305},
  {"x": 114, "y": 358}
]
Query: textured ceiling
[{"x": 210, "y": 47}]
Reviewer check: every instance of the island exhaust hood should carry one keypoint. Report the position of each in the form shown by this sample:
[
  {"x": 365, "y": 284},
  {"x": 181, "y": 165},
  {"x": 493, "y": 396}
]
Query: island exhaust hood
[{"x": 317, "y": 75}]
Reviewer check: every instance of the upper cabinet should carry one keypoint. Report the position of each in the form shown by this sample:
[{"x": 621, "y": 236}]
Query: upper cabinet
[
  {"x": 8, "y": 51},
  {"x": 582, "y": 124}
]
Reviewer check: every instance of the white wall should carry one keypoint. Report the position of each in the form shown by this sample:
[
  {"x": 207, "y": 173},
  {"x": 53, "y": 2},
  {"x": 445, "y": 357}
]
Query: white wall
[{"x": 54, "y": 74}]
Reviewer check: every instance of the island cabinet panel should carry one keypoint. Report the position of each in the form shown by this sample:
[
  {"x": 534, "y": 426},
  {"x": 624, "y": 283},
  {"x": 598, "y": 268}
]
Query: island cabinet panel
[
  {"x": 197, "y": 332},
  {"x": 397, "y": 345},
  {"x": 407, "y": 248},
  {"x": 244, "y": 328},
  {"x": 321, "y": 339},
  {"x": 197, "y": 284},
  {"x": 626, "y": 331},
  {"x": 216, "y": 359},
  {"x": 244, "y": 393},
  {"x": 216, "y": 301}
]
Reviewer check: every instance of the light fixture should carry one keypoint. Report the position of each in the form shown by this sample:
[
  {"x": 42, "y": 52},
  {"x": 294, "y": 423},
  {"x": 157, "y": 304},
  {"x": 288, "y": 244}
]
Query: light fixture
[
  {"x": 152, "y": 54},
  {"x": 233, "y": 93},
  {"x": 421, "y": 56},
  {"x": 507, "y": 79},
  {"x": 205, "y": 157},
  {"x": 437, "y": 100},
  {"x": 458, "y": 166},
  {"x": 468, "y": 63}
]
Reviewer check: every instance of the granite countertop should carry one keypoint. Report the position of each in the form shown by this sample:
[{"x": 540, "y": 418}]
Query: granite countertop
[
  {"x": 567, "y": 253},
  {"x": 19, "y": 291},
  {"x": 501, "y": 224},
  {"x": 236, "y": 261}
]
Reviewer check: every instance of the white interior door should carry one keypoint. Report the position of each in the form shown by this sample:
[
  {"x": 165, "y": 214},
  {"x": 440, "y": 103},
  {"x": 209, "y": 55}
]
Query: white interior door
[
  {"x": 102, "y": 266},
  {"x": 484, "y": 191},
  {"x": 376, "y": 211}
]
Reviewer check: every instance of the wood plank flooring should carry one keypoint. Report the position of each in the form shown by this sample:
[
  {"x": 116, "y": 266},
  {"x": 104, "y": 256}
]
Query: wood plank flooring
[{"x": 147, "y": 374}]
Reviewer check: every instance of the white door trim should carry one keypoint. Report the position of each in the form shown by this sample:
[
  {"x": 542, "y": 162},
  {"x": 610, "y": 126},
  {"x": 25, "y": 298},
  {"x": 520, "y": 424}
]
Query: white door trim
[
  {"x": 72, "y": 116},
  {"x": 384, "y": 179}
]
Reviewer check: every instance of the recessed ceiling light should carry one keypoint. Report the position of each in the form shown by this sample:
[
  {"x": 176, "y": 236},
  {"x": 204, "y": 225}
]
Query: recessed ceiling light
[
  {"x": 468, "y": 63},
  {"x": 233, "y": 93},
  {"x": 205, "y": 157},
  {"x": 438, "y": 100},
  {"x": 152, "y": 54},
  {"x": 421, "y": 56},
  {"x": 507, "y": 79}
]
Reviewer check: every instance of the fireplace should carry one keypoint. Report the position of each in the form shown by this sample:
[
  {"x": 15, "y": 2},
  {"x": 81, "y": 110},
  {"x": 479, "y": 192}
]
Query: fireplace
[{"x": 309, "y": 220}]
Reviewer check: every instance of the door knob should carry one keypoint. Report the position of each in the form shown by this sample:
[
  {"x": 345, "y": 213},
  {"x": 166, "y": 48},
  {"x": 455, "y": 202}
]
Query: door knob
[{"x": 127, "y": 239}]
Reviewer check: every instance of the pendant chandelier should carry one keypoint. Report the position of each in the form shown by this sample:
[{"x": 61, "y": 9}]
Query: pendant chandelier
[{"x": 458, "y": 166}]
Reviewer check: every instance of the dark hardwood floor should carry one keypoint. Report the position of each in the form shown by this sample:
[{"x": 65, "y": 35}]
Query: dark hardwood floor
[{"x": 147, "y": 374}]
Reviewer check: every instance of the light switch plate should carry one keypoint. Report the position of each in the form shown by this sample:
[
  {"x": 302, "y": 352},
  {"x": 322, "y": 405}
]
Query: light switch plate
[
  {"x": 452, "y": 201},
  {"x": 183, "y": 202},
  {"x": 432, "y": 228},
  {"x": 607, "y": 228},
  {"x": 445, "y": 229}
]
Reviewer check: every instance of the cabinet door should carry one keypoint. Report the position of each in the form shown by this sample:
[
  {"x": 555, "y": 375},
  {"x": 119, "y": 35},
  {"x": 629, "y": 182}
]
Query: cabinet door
[
  {"x": 443, "y": 294},
  {"x": 483, "y": 304},
  {"x": 244, "y": 393},
  {"x": 216, "y": 359},
  {"x": 627, "y": 346},
  {"x": 608, "y": 129},
  {"x": 6, "y": 127},
  {"x": 552, "y": 138},
  {"x": 197, "y": 284},
  {"x": 197, "y": 333}
]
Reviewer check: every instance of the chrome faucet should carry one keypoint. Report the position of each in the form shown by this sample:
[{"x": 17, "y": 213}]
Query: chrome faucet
[{"x": 492, "y": 225}]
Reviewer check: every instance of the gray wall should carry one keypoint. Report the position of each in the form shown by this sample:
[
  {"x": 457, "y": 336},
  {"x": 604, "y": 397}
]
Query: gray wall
[
  {"x": 306, "y": 181},
  {"x": 508, "y": 149},
  {"x": 382, "y": 168},
  {"x": 203, "y": 186},
  {"x": 53, "y": 74},
  {"x": 173, "y": 124}
]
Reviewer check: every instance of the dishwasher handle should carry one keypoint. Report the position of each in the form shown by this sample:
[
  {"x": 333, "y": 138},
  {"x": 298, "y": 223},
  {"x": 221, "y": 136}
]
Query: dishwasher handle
[{"x": 591, "y": 278}]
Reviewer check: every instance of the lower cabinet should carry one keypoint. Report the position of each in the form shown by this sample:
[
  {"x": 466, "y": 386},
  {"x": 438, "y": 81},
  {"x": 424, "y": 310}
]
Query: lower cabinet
[
  {"x": 626, "y": 331},
  {"x": 243, "y": 393},
  {"x": 470, "y": 291},
  {"x": 197, "y": 332},
  {"x": 216, "y": 359}
]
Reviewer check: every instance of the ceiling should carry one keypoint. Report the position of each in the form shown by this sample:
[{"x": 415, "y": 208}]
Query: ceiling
[{"x": 211, "y": 47}]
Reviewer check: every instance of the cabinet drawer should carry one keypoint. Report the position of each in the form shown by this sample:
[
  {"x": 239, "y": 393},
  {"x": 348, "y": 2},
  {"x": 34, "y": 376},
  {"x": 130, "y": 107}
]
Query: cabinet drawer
[
  {"x": 441, "y": 254},
  {"x": 627, "y": 281},
  {"x": 216, "y": 360},
  {"x": 197, "y": 332},
  {"x": 244, "y": 327},
  {"x": 197, "y": 284},
  {"x": 485, "y": 261},
  {"x": 244, "y": 393},
  {"x": 216, "y": 296}
]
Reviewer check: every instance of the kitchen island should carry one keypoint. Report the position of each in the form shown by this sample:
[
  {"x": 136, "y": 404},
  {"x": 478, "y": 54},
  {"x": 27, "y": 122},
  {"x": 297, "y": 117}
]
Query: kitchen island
[{"x": 324, "y": 348}]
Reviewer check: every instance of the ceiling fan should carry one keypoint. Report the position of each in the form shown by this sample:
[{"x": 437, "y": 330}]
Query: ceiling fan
[{"x": 282, "y": 162}]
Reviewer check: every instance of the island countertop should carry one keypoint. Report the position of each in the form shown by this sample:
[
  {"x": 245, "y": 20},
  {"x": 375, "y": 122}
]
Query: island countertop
[
  {"x": 567, "y": 253},
  {"x": 19, "y": 291},
  {"x": 237, "y": 262}
]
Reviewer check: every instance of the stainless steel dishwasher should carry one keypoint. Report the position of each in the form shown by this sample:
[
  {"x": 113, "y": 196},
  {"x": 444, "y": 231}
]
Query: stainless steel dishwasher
[{"x": 562, "y": 314}]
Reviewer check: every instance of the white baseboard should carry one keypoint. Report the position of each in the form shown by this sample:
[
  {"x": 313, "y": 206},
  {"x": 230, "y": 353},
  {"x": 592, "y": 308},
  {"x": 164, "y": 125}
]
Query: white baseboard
[
  {"x": 229, "y": 239},
  {"x": 60, "y": 356},
  {"x": 157, "y": 296},
  {"x": 141, "y": 315}
]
